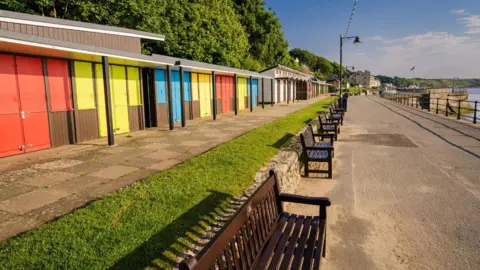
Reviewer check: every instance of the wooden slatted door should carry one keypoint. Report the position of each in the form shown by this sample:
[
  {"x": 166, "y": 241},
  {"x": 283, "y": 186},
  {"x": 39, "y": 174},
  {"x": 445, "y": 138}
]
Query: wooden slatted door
[
  {"x": 33, "y": 104},
  {"x": 11, "y": 137},
  {"x": 119, "y": 99},
  {"x": 176, "y": 106},
  {"x": 227, "y": 94},
  {"x": 205, "y": 86},
  {"x": 242, "y": 92},
  {"x": 254, "y": 92}
]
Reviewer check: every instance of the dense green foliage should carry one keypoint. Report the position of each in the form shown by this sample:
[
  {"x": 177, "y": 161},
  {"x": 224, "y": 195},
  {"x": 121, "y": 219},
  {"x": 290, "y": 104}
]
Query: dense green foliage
[
  {"x": 151, "y": 222},
  {"x": 236, "y": 33},
  {"x": 319, "y": 66},
  {"x": 429, "y": 83}
]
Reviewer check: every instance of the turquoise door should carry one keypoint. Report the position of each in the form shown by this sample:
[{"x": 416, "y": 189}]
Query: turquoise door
[
  {"x": 176, "y": 101},
  {"x": 254, "y": 92}
]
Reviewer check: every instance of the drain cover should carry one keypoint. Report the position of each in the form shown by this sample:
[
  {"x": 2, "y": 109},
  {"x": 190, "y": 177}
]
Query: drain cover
[{"x": 393, "y": 140}]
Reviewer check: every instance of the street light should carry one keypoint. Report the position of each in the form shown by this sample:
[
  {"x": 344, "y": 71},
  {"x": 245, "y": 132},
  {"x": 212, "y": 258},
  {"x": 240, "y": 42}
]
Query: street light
[{"x": 342, "y": 40}]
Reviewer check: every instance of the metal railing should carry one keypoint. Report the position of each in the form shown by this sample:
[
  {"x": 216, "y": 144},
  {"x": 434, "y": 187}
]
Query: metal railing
[{"x": 461, "y": 109}]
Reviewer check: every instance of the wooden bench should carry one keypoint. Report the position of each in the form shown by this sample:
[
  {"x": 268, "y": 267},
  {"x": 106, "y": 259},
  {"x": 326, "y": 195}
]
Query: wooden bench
[
  {"x": 326, "y": 126},
  {"x": 337, "y": 109},
  {"x": 336, "y": 117},
  {"x": 262, "y": 235},
  {"x": 312, "y": 151}
]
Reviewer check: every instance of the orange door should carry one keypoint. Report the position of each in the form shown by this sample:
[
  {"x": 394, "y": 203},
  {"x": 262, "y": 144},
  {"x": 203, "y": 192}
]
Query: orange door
[
  {"x": 33, "y": 103},
  {"x": 11, "y": 135}
]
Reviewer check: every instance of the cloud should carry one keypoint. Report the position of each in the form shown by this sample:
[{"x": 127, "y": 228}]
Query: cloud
[
  {"x": 436, "y": 55},
  {"x": 472, "y": 24},
  {"x": 375, "y": 38},
  {"x": 458, "y": 11}
]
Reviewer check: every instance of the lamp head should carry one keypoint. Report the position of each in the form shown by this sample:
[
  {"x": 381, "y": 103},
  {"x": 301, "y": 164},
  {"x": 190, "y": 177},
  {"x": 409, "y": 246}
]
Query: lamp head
[{"x": 357, "y": 40}]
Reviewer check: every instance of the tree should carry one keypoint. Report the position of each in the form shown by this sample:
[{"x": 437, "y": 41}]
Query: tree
[{"x": 267, "y": 43}]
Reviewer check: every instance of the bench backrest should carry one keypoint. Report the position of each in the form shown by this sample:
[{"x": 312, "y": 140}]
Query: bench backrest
[
  {"x": 322, "y": 119},
  {"x": 306, "y": 137},
  {"x": 240, "y": 242}
]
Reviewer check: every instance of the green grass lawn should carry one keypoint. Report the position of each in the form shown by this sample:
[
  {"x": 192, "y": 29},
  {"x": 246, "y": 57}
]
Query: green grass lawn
[{"x": 147, "y": 224}]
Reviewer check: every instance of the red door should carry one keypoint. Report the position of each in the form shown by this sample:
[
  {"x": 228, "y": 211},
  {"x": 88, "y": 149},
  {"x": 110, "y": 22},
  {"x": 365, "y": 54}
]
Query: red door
[
  {"x": 33, "y": 103},
  {"x": 227, "y": 94},
  {"x": 11, "y": 135}
]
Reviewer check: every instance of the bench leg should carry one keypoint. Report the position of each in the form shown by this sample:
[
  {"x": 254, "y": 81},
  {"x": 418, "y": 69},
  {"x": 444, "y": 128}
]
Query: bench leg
[
  {"x": 324, "y": 242},
  {"x": 336, "y": 134},
  {"x": 306, "y": 168},
  {"x": 330, "y": 168}
]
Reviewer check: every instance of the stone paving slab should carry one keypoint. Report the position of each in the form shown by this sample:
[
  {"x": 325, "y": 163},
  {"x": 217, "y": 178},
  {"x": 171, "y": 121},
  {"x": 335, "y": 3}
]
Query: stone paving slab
[
  {"x": 13, "y": 190},
  {"x": 17, "y": 225},
  {"x": 48, "y": 179},
  {"x": 60, "y": 207},
  {"x": 163, "y": 165},
  {"x": 85, "y": 168},
  {"x": 162, "y": 155},
  {"x": 113, "y": 172},
  {"x": 29, "y": 201},
  {"x": 80, "y": 183},
  {"x": 91, "y": 170}
]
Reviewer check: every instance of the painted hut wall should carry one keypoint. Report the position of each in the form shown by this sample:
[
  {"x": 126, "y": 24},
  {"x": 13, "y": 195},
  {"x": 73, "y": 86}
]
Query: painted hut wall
[
  {"x": 195, "y": 85},
  {"x": 136, "y": 118},
  {"x": 205, "y": 94},
  {"x": 242, "y": 92},
  {"x": 161, "y": 94},
  {"x": 60, "y": 114},
  {"x": 225, "y": 93},
  {"x": 116, "y": 42},
  {"x": 86, "y": 117},
  {"x": 24, "y": 119}
]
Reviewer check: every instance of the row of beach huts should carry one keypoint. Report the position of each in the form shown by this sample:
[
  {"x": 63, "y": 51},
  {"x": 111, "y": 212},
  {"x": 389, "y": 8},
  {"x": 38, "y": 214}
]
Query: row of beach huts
[{"x": 65, "y": 82}]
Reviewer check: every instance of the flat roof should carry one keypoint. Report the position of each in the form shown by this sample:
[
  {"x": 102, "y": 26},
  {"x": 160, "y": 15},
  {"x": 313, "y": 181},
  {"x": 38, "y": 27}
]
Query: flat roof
[
  {"x": 15, "y": 42},
  {"x": 22, "y": 18},
  {"x": 199, "y": 66},
  {"x": 40, "y": 46}
]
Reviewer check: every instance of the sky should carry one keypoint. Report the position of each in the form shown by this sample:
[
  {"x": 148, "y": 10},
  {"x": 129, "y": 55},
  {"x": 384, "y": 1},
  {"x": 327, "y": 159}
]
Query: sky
[{"x": 441, "y": 38}]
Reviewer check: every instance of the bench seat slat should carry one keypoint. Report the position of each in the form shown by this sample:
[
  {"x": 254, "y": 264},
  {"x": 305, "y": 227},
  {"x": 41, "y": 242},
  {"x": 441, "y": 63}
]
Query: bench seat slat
[
  {"x": 292, "y": 242},
  {"x": 298, "y": 255},
  {"x": 319, "y": 245},
  {"x": 282, "y": 242},
  {"x": 318, "y": 154},
  {"x": 307, "y": 258},
  {"x": 272, "y": 242},
  {"x": 322, "y": 144}
]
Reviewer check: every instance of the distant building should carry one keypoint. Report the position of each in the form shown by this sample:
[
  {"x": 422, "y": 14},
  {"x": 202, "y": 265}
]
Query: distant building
[
  {"x": 334, "y": 80},
  {"x": 364, "y": 79}
]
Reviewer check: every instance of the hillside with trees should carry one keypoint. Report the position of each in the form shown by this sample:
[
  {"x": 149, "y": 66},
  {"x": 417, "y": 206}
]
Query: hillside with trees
[
  {"x": 236, "y": 33},
  {"x": 429, "y": 83}
]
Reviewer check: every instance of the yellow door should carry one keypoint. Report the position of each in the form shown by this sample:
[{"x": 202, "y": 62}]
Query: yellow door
[
  {"x": 102, "y": 114},
  {"x": 119, "y": 98},
  {"x": 118, "y": 92},
  {"x": 205, "y": 86},
  {"x": 242, "y": 92}
]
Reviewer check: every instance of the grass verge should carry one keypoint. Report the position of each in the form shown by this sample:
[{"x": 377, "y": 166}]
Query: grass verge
[{"x": 150, "y": 223}]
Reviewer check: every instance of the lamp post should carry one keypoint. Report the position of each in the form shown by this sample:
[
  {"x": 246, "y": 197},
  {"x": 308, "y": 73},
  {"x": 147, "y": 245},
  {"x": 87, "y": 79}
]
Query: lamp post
[{"x": 342, "y": 40}]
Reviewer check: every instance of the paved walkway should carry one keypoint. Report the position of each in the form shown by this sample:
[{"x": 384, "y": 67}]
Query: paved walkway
[
  {"x": 38, "y": 187},
  {"x": 405, "y": 193}
]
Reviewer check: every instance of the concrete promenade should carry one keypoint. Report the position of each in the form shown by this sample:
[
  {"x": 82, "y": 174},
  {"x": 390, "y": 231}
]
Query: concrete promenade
[
  {"x": 405, "y": 193},
  {"x": 40, "y": 186}
]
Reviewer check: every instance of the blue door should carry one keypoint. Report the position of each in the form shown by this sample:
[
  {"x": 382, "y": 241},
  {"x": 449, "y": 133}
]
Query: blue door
[
  {"x": 254, "y": 92},
  {"x": 160, "y": 83},
  {"x": 176, "y": 106},
  {"x": 186, "y": 86}
]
